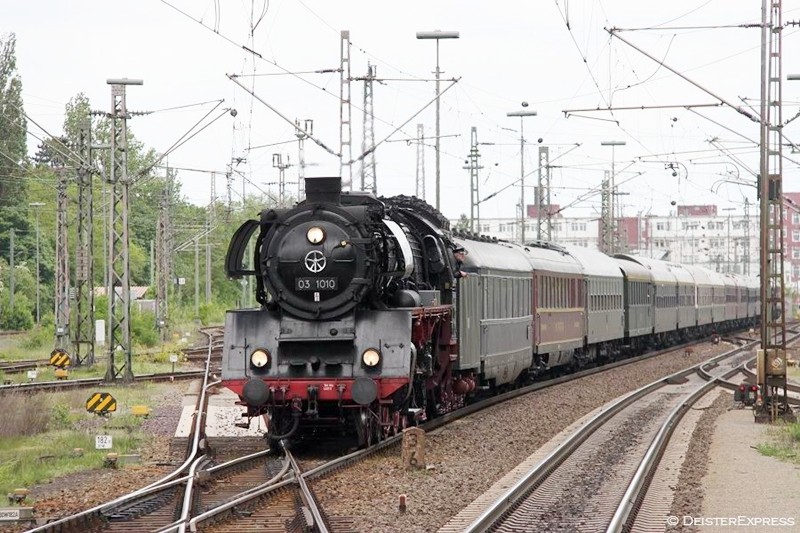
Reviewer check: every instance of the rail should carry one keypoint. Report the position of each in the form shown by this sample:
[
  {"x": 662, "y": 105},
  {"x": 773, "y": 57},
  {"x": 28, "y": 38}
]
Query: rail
[
  {"x": 517, "y": 491},
  {"x": 85, "y": 519}
]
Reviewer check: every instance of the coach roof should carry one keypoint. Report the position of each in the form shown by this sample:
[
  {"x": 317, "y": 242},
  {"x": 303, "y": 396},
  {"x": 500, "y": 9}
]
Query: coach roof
[{"x": 595, "y": 262}]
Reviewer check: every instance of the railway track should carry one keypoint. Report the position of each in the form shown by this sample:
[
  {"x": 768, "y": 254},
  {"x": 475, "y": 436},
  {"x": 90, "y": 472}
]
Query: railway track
[
  {"x": 15, "y": 367},
  {"x": 160, "y": 502},
  {"x": 72, "y": 384},
  {"x": 235, "y": 494},
  {"x": 268, "y": 504},
  {"x": 578, "y": 485},
  {"x": 598, "y": 477},
  {"x": 198, "y": 353},
  {"x": 195, "y": 354}
]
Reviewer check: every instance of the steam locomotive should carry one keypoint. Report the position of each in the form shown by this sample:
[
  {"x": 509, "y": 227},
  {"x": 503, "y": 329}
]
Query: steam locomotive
[{"x": 363, "y": 328}]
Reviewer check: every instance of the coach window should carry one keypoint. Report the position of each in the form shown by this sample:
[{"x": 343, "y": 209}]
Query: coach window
[
  {"x": 545, "y": 292},
  {"x": 510, "y": 297},
  {"x": 540, "y": 296}
]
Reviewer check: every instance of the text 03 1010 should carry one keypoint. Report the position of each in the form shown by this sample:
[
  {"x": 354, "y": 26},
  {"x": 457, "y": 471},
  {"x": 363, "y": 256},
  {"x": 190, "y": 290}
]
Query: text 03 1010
[{"x": 316, "y": 284}]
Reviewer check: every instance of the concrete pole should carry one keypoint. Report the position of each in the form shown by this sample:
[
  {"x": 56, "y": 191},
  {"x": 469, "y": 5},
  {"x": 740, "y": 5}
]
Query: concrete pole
[
  {"x": 37, "y": 205},
  {"x": 196, "y": 277},
  {"x": 11, "y": 265}
]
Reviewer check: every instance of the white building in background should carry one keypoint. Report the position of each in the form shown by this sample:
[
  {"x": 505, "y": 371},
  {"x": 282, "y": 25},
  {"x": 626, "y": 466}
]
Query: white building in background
[{"x": 690, "y": 235}]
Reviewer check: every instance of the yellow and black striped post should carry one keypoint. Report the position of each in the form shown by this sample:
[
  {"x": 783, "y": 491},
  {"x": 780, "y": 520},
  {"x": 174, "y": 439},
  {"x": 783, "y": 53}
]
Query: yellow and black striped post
[
  {"x": 59, "y": 358},
  {"x": 101, "y": 403}
]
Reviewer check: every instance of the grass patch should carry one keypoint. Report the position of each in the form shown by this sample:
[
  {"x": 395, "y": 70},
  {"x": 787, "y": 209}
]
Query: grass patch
[
  {"x": 785, "y": 443},
  {"x": 30, "y": 460},
  {"x": 39, "y": 432}
]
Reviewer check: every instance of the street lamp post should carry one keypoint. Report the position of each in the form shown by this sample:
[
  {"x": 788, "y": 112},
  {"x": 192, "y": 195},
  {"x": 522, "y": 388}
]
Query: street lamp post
[
  {"x": 437, "y": 34},
  {"x": 522, "y": 114},
  {"x": 37, "y": 205},
  {"x": 612, "y": 190}
]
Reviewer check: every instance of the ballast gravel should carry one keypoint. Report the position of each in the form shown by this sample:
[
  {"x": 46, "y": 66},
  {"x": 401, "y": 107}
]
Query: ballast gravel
[{"x": 465, "y": 458}]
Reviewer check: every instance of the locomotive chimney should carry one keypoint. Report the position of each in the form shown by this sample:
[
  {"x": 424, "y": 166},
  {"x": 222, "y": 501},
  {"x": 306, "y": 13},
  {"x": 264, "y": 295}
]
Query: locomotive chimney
[{"x": 324, "y": 189}]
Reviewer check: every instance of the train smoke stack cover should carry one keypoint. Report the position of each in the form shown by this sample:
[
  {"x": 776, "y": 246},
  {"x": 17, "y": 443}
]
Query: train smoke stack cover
[{"x": 324, "y": 189}]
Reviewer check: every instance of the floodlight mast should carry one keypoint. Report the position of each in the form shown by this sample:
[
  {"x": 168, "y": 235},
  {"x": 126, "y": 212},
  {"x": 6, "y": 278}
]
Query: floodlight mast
[
  {"x": 522, "y": 210},
  {"x": 612, "y": 191},
  {"x": 437, "y": 34}
]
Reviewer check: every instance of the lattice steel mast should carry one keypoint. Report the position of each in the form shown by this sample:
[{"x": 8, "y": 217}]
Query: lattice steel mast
[
  {"x": 606, "y": 227},
  {"x": 543, "y": 221},
  {"x": 420, "y": 188},
  {"x": 772, "y": 356},
  {"x": 119, "y": 277},
  {"x": 62, "y": 263},
  {"x": 473, "y": 165},
  {"x": 345, "y": 126},
  {"x": 163, "y": 255},
  {"x": 369, "y": 179},
  {"x": 302, "y": 134},
  {"x": 83, "y": 341}
]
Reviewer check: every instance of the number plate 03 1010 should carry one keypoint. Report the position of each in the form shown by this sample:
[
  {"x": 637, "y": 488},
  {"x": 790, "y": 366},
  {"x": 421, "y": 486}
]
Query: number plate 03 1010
[{"x": 316, "y": 284}]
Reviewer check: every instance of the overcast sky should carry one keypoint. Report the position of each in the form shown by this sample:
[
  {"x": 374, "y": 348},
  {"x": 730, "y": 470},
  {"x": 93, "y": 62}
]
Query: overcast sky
[{"x": 554, "y": 55}]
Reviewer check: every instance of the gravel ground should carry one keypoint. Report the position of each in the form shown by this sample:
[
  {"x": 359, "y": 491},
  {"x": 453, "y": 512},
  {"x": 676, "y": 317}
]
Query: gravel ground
[
  {"x": 166, "y": 412},
  {"x": 688, "y": 497},
  {"x": 467, "y": 457},
  {"x": 741, "y": 482}
]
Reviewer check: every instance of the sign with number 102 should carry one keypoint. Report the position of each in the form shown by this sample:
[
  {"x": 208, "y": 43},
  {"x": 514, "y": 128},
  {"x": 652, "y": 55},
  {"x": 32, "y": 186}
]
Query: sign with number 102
[{"x": 103, "y": 442}]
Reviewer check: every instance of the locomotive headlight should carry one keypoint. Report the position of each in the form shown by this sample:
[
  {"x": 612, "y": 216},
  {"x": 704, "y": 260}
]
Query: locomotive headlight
[
  {"x": 315, "y": 235},
  {"x": 371, "y": 357},
  {"x": 260, "y": 358}
]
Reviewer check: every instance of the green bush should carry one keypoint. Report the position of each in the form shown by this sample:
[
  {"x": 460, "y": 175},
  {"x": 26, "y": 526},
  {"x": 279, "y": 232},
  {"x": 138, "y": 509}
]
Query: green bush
[
  {"x": 211, "y": 314},
  {"x": 17, "y": 319},
  {"x": 60, "y": 418},
  {"x": 41, "y": 336},
  {"x": 143, "y": 329},
  {"x": 794, "y": 432}
]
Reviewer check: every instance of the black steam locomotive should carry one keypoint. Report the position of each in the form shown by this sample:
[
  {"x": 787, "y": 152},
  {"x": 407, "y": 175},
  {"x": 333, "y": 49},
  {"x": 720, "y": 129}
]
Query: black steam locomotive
[{"x": 354, "y": 328}]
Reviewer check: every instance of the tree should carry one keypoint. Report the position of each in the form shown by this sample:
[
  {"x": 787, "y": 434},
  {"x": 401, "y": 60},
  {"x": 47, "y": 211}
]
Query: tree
[
  {"x": 462, "y": 224},
  {"x": 13, "y": 149}
]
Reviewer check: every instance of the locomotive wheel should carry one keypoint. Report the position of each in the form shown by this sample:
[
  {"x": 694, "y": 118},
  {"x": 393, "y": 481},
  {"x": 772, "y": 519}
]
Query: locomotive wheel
[{"x": 368, "y": 430}]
